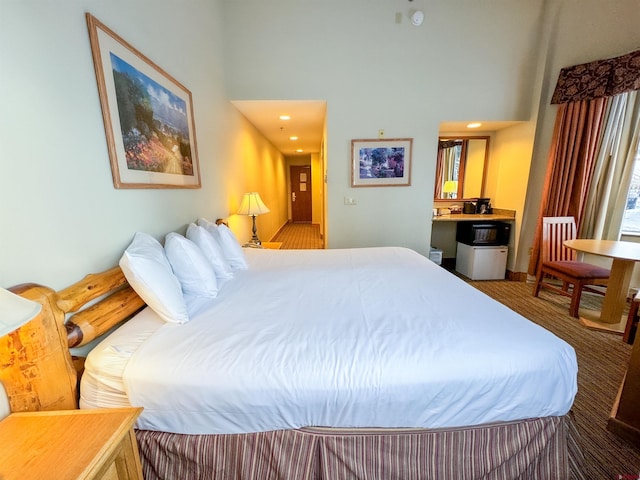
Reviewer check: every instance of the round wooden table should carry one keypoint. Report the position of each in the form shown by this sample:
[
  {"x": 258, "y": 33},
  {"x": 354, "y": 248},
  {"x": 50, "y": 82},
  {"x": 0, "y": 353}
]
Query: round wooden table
[{"x": 624, "y": 255}]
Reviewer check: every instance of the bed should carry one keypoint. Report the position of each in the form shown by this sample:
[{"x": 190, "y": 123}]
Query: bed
[{"x": 346, "y": 363}]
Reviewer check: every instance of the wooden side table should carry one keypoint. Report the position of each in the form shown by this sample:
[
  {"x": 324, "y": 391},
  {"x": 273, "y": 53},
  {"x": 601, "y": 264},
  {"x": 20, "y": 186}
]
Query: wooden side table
[
  {"x": 70, "y": 444},
  {"x": 272, "y": 245}
]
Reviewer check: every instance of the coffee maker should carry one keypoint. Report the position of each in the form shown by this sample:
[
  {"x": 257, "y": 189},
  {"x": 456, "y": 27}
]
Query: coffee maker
[
  {"x": 483, "y": 205},
  {"x": 469, "y": 207}
]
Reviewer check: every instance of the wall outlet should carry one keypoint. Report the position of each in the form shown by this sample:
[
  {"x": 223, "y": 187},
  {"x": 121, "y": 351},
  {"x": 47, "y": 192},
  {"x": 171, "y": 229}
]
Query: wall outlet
[
  {"x": 380, "y": 133},
  {"x": 350, "y": 201}
]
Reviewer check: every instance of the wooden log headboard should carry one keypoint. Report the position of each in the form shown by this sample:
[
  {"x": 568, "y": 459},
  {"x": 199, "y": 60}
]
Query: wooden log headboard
[{"x": 36, "y": 366}]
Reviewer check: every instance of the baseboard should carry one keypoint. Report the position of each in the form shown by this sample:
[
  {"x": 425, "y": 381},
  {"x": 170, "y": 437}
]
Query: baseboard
[
  {"x": 275, "y": 235},
  {"x": 516, "y": 276},
  {"x": 450, "y": 264}
]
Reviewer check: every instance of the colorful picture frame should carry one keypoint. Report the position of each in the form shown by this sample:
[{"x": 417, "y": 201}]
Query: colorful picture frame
[
  {"x": 381, "y": 162},
  {"x": 147, "y": 114}
]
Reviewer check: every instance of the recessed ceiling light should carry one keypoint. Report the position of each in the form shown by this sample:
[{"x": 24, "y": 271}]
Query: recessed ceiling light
[
  {"x": 285, "y": 117},
  {"x": 474, "y": 125},
  {"x": 299, "y": 150},
  {"x": 293, "y": 137}
]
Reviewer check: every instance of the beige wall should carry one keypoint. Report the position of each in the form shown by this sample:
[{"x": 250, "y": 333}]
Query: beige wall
[
  {"x": 317, "y": 186},
  {"x": 511, "y": 159},
  {"x": 254, "y": 165}
]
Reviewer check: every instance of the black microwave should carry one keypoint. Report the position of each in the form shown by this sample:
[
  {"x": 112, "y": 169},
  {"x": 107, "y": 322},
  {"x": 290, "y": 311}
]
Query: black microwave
[{"x": 483, "y": 233}]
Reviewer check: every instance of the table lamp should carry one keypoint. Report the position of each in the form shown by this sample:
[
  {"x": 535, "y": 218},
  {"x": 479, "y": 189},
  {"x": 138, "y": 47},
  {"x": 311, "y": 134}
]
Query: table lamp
[
  {"x": 450, "y": 187},
  {"x": 253, "y": 205},
  {"x": 15, "y": 311}
]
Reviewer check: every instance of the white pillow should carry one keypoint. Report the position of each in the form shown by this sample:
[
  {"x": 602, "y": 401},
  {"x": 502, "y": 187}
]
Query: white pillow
[
  {"x": 231, "y": 248},
  {"x": 211, "y": 250},
  {"x": 228, "y": 241},
  {"x": 209, "y": 226},
  {"x": 147, "y": 270},
  {"x": 195, "y": 273}
]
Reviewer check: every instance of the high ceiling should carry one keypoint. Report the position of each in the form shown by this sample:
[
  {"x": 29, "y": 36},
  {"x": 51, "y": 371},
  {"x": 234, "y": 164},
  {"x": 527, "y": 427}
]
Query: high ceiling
[
  {"x": 306, "y": 123},
  {"x": 483, "y": 129}
]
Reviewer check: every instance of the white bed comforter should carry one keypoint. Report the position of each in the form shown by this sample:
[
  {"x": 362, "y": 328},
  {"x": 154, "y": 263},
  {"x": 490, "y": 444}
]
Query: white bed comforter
[{"x": 374, "y": 337}]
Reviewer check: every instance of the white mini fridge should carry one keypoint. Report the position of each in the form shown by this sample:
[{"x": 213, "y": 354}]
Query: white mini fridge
[{"x": 481, "y": 263}]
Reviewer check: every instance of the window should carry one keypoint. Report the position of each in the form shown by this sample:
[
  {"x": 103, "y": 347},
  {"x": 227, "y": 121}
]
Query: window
[
  {"x": 631, "y": 218},
  {"x": 612, "y": 206}
]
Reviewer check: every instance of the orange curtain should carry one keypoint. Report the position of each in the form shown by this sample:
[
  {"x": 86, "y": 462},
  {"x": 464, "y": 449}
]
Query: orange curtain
[{"x": 570, "y": 165}]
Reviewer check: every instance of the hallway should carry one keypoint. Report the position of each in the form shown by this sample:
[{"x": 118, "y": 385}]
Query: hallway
[{"x": 299, "y": 236}]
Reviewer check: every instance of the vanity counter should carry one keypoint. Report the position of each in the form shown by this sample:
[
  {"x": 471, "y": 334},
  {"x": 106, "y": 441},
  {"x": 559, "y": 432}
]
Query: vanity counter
[
  {"x": 443, "y": 233},
  {"x": 474, "y": 217}
]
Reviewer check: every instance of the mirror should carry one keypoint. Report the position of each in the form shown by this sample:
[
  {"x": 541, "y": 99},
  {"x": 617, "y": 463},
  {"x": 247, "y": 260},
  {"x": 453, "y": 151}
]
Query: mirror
[{"x": 461, "y": 167}]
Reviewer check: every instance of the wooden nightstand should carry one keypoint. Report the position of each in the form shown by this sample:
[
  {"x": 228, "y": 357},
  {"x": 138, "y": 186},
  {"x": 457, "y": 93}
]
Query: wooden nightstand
[
  {"x": 272, "y": 245},
  {"x": 70, "y": 444}
]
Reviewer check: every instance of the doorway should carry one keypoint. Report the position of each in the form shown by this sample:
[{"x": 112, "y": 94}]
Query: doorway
[{"x": 301, "y": 199}]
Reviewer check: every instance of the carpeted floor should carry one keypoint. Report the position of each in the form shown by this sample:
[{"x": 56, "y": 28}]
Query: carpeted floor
[
  {"x": 299, "y": 236},
  {"x": 602, "y": 361}
]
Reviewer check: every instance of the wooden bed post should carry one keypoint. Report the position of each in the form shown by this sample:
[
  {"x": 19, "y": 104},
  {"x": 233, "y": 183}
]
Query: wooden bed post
[{"x": 35, "y": 364}]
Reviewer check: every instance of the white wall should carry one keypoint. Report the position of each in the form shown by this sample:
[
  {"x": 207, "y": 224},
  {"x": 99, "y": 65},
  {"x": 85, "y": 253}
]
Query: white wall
[
  {"x": 469, "y": 60},
  {"x": 60, "y": 216}
]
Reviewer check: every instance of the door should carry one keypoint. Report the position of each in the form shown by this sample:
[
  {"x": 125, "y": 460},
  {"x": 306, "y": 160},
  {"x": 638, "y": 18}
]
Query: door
[{"x": 300, "y": 177}]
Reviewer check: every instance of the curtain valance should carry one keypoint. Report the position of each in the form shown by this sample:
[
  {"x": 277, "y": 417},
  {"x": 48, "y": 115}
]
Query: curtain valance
[
  {"x": 448, "y": 143},
  {"x": 602, "y": 78}
]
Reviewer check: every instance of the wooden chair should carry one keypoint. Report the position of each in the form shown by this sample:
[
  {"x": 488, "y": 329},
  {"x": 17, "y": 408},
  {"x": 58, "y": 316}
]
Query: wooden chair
[{"x": 558, "y": 261}]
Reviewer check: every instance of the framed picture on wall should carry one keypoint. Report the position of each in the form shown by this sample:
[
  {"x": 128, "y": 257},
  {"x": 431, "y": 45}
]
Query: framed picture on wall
[
  {"x": 148, "y": 116},
  {"x": 381, "y": 162}
]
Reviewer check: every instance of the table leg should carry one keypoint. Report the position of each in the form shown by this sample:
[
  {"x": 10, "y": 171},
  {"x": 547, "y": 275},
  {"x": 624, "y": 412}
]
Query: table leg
[{"x": 610, "y": 318}]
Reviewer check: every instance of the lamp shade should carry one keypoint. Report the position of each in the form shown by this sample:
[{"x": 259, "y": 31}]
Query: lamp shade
[
  {"x": 450, "y": 186},
  {"x": 252, "y": 204},
  {"x": 15, "y": 311}
]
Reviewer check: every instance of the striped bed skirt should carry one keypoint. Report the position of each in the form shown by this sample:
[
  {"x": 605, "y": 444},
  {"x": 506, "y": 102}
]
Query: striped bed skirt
[{"x": 541, "y": 448}]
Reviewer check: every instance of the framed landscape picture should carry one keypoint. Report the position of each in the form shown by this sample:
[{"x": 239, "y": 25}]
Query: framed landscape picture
[
  {"x": 148, "y": 116},
  {"x": 381, "y": 162}
]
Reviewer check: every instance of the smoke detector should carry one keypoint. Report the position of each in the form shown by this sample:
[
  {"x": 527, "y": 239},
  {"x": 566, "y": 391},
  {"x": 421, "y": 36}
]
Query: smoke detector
[{"x": 417, "y": 17}]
